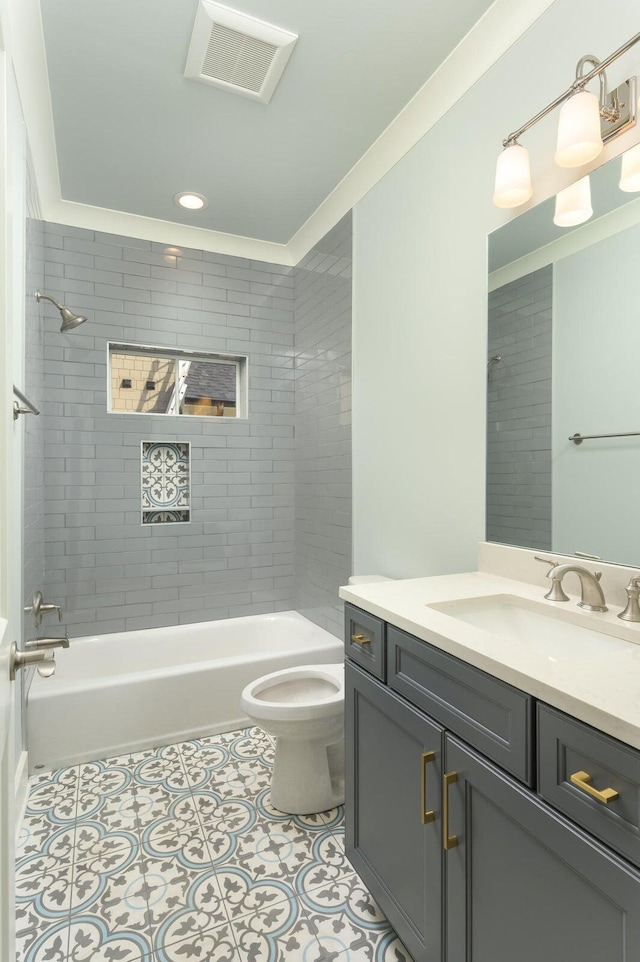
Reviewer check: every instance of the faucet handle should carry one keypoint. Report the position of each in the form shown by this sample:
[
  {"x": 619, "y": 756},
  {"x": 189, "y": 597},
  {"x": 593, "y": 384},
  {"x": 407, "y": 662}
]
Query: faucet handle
[{"x": 545, "y": 561}]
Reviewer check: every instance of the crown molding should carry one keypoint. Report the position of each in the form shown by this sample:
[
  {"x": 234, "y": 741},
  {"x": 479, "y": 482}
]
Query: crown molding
[
  {"x": 108, "y": 221},
  {"x": 497, "y": 30}
]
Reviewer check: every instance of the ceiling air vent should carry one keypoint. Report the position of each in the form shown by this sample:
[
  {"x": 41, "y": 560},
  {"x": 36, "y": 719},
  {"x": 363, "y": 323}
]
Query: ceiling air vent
[{"x": 236, "y": 52}]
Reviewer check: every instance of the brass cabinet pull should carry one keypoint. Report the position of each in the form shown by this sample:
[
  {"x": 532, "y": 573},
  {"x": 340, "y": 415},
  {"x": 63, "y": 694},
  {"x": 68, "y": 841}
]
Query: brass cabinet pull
[
  {"x": 448, "y": 841},
  {"x": 361, "y": 639},
  {"x": 582, "y": 780},
  {"x": 426, "y": 758}
]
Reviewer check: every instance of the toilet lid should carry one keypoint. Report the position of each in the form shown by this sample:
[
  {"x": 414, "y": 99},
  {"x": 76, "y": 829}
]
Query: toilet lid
[{"x": 298, "y": 691}]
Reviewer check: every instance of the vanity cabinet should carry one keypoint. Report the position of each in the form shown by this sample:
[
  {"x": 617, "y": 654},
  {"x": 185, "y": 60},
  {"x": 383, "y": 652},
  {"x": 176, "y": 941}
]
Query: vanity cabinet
[{"x": 467, "y": 861}]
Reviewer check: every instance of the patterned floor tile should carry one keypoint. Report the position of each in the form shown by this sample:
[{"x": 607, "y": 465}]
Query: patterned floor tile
[
  {"x": 239, "y": 779},
  {"x": 177, "y": 854},
  {"x": 105, "y": 778},
  {"x": 92, "y": 884},
  {"x": 350, "y": 925},
  {"x": 46, "y": 897},
  {"x": 96, "y": 841},
  {"x": 171, "y": 887},
  {"x": 186, "y": 842},
  {"x": 45, "y": 941},
  {"x": 284, "y": 933},
  {"x": 98, "y": 940},
  {"x": 184, "y": 940},
  {"x": 44, "y": 846}
]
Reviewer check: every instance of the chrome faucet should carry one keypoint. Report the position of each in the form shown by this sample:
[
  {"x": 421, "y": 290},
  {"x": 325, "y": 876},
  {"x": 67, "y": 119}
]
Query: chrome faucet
[{"x": 592, "y": 597}]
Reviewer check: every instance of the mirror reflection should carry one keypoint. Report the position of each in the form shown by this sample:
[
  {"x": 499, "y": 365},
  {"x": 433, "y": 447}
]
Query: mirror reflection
[{"x": 563, "y": 355}]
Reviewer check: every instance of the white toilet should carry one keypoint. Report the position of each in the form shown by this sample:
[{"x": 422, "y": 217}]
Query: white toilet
[{"x": 304, "y": 709}]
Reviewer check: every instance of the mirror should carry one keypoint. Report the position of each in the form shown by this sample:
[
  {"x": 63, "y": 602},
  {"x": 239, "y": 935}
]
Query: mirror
[{"x": 564, "y": 359}]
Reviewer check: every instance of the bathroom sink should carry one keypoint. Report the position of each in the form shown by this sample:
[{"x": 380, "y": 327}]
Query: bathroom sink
[{"x": 559, "y": 635}]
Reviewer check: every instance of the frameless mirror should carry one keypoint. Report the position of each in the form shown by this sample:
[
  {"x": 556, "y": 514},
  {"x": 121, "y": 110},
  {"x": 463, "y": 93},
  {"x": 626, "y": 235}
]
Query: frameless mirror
[
  {"x": 563, "y": 359},
  {"x": 151, "y": 380}
]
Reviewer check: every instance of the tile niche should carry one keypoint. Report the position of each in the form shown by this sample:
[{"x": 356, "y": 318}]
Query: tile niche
[{"x": 166, "y": 494}]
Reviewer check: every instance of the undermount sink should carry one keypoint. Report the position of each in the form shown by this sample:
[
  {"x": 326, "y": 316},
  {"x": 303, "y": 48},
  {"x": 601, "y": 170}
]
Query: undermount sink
[{"x": 559, "y": 635}]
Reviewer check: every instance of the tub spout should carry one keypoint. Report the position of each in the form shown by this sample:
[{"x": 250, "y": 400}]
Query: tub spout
[{"x": 46, "y": 644}]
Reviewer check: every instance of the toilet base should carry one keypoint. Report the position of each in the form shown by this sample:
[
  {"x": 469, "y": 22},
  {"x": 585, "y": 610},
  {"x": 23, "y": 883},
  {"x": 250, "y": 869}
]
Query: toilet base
[{"x": 308, "y": 776}]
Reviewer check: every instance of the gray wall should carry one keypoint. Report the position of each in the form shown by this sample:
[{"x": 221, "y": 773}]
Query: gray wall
[
  {"x": 323, "y": 426},
  {"x": 519, "y": 412},
  {"x": 237, "y": 555}
]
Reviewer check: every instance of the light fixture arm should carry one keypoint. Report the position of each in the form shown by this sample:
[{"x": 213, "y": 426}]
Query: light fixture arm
[{"x": 579, "y": 83}]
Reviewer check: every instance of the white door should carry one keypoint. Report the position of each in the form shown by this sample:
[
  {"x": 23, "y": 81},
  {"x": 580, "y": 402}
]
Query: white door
[
  {"x": 9, "y": 477},
  {"x": 7, "y": 812}
]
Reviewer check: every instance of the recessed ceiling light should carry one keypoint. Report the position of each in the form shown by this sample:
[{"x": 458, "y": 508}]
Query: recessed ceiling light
[{"x": 191, "y": 201}]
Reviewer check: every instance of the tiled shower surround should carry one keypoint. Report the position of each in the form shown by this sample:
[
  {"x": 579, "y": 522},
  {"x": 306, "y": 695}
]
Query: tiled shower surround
[
  {"x": 237, "y": 556},
  {"x": 519, "y": 412}
]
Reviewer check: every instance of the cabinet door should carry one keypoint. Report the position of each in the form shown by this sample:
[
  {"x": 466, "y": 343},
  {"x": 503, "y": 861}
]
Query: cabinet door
[
  {"x": 393, "y": 769},
  {"x": 523, "y": 882}
]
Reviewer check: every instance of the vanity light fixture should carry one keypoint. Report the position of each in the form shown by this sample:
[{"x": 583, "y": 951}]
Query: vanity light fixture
[
  {"x": 586, "y": 123},
  {"x": 573, "y": 204},
  {"x": 630, "y": 173},
  {"x": 190, "y": 200}
]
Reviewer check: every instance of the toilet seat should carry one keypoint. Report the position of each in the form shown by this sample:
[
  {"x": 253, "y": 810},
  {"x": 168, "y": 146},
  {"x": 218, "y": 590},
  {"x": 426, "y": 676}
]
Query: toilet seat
[{"x": 308, "y": 691}]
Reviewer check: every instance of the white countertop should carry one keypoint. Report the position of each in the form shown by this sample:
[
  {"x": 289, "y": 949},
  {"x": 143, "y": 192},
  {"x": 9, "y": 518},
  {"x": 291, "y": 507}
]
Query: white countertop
[{"x": 602, "y": 688}]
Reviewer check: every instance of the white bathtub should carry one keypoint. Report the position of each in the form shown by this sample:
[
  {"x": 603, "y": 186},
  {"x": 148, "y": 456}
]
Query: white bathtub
[{"x": 119, "y": 693}]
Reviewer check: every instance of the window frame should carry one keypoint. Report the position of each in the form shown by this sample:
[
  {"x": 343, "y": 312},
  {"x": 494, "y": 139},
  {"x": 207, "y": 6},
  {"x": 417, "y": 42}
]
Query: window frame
[{"x": 240, "y": 361}]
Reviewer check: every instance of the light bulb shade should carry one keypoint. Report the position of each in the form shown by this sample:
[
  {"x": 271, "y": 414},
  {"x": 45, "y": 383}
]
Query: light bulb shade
[
  {"x": 579, "y": 136},
  {"x": 630, "y": 174},
  {"x": 513, "y": 177},
  {"x": 573, "y": 204}
]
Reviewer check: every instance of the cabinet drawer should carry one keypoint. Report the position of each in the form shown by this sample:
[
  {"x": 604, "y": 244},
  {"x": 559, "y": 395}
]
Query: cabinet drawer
[
  {"x": 364, "y": 640},
  {"x": 489, "y": 714},
  {"x": 569, "y": 747}
]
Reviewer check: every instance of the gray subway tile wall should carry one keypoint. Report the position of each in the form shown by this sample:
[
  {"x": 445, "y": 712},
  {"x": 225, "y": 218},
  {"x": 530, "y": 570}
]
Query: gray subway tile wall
[
  {"x": 238, "y": 554},
  {"x": 519, "y": 412},
  {"x": 323, "y": 427}
]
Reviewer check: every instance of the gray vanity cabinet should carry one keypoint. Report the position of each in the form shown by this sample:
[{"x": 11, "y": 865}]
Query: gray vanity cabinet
[
  {"x": 394, "y": 770},
  {"x": 522, "y": 882},
  {"x": 467, "y": 861}
]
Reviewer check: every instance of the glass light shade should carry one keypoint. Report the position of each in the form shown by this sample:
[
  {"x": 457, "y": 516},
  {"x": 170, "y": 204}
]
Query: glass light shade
[
  {"x": 630, "y": 174},
  {"x": 579, "y": 136},
  {"x": 513, "y": 177},
  {"x": 573, "y": 204}
]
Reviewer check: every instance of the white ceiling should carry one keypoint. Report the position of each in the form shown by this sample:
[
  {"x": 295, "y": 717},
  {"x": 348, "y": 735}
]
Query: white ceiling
[{"x": 131, "y": 131}]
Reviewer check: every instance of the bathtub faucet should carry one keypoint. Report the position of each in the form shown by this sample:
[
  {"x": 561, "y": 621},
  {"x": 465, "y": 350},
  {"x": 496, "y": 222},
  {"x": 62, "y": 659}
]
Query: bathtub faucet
[{"x": 46, "y": 644}]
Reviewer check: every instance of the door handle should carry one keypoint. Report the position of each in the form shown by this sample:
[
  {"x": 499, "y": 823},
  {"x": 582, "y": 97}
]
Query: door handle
[
  {"x": 361, "y": 639},
  {"x": 448, "y": 841},
  {"x": 582, "y": 780},
  {"x": 426, "y": 816}
]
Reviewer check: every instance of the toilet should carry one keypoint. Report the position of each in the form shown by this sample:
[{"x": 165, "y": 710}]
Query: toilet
[{"x": 304, "y": 709}]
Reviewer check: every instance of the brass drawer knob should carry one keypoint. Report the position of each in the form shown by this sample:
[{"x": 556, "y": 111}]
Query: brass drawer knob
[
  {"x": 582, "y": 780},
  {"x": 361, "y": 639}
]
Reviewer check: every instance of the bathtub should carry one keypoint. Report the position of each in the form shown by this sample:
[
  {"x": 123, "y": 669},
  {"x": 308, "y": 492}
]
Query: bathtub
[{"x": 119, "y": 693}]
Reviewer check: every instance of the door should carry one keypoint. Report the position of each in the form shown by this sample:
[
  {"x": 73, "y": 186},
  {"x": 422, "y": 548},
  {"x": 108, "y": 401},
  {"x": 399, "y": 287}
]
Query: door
[
  {"x": 522, "y": 882},
  {"x": 393, "y": 771}
]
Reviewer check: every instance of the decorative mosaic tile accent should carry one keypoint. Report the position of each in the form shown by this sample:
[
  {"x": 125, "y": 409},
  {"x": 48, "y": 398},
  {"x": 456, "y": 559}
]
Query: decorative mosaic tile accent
[
  {"x": 177, "y": 854},
  {"x": 166, "y": 496}
]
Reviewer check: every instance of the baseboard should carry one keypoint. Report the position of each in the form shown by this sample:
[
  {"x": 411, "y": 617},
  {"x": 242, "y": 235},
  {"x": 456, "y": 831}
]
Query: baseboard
[{"x": 21, "y": 789}]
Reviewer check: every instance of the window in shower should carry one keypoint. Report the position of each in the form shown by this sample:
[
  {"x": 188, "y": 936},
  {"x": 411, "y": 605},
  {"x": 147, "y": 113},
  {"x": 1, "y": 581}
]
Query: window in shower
[{"x": 156, "y": 380}]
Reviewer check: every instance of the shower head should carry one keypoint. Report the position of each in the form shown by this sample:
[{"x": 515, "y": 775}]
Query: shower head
[{"x": 69, "y": 319}]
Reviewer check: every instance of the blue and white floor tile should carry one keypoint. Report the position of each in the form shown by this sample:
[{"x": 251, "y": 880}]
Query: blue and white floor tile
[{"x": 177, "y": 855}]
